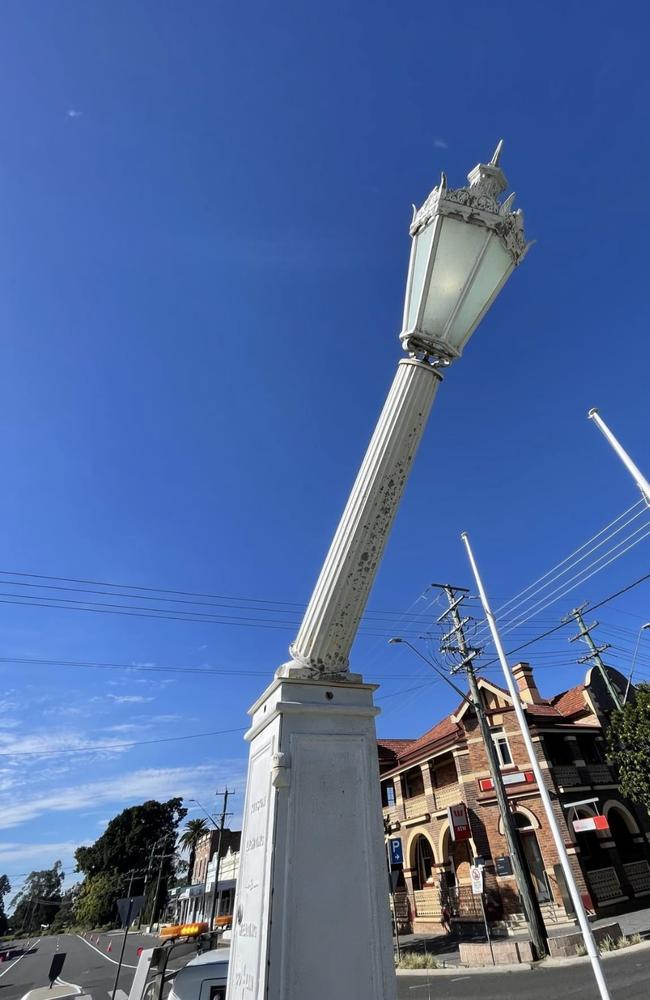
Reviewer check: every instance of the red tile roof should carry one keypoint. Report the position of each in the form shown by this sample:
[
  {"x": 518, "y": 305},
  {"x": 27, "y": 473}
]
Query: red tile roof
[
  {"x": 571, "y": 702},
  {"x": 444, "y": 729},
  {"x": 396, "y": 746}
]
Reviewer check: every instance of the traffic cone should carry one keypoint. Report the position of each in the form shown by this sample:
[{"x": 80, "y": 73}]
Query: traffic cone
[
  {"x": 110, "y": 947},
  {"x": 139, "y": 951},
  {"x": 97, "y": 939}
]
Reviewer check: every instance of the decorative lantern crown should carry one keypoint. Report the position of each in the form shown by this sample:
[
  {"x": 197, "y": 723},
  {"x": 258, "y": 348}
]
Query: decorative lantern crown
[{"x": 465, "y": 246}]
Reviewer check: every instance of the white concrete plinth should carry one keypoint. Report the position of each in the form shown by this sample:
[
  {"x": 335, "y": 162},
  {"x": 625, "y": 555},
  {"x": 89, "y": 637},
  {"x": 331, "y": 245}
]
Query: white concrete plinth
[{"x": 312, "y": 918}]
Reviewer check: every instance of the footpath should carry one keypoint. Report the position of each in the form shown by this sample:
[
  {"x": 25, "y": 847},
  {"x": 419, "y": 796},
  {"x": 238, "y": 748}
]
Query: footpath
[{"x": 444, "y": 948}]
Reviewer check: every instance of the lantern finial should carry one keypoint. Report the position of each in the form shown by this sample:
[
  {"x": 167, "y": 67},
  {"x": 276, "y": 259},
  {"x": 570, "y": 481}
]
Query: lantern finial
[{"x": 496, "y": 156}]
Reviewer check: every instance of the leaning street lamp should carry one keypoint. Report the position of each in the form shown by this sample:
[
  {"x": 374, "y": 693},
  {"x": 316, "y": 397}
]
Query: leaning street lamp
[{"x": 311, "y": 913}]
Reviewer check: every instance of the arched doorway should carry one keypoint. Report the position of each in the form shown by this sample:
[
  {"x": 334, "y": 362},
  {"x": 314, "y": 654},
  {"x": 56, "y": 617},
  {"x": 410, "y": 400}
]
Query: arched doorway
[
  {"x": 533, "y": 855},
  {"x": 422, "y": 862},
  {"x": 623, "y": 836},
  {"x": 591, "y": 854}
]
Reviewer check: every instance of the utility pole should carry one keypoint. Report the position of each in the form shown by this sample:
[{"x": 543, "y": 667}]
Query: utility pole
[
  {"x": 455, "y": 642},
  {"x": 222, "y": 823},
  {"x": 595, "y": 651},
  {"x": 154, "y": 905}
]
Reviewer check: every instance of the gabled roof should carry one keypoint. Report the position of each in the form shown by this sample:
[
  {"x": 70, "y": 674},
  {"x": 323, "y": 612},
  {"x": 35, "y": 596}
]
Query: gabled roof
[
  {"x": 566, "y": 705},
  {"x": 441, "y": 732},
  {"x": 571, "y": 702}
]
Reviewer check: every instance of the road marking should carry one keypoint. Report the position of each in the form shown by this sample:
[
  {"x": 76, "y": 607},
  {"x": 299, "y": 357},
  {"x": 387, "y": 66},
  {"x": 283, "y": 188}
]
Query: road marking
[
  {"x": 125, "y": 965},
  {"x": 459, "y": 979},
  {"x": 64, "y": 982},
  {"x": 121, "y": 995},
  {"x": 19, "y": 959}
]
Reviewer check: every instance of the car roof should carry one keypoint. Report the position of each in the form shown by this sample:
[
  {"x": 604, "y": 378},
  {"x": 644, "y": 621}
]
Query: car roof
[{"x": 215, "y": 955}]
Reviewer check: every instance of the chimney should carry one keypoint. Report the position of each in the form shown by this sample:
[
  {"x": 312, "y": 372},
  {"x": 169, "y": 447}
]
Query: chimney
[{"x": 523, "y": 674}]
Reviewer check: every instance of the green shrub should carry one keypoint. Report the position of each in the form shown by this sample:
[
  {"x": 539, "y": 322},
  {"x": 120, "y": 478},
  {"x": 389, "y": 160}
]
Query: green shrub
[{"x": 417, "y": 960}]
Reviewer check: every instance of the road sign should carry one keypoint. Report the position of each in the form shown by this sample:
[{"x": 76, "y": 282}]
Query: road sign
[
  {"x": 127, "y": 915},
  {"x": 396, "y": 853},
  {"x": 57, "y": 965},
  {"x": 459, "y": 822},
  {"x": 476, "y": 874}
]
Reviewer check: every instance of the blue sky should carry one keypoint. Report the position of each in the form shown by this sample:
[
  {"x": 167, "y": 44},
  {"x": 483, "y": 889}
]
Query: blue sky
[{"x": 204, "y": 212}]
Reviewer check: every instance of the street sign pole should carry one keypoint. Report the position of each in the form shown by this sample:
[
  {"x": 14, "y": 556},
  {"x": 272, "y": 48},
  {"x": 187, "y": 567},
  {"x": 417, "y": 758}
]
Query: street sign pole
[
  {"x": 389, "y": 866},
  {"x": 127, "y": 924}
]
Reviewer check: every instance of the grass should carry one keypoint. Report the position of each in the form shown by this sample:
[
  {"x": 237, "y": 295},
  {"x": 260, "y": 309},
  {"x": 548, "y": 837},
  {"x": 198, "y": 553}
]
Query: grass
[
  {"x": 416, "y": 960},
  {"x": 612, "y": 944}
]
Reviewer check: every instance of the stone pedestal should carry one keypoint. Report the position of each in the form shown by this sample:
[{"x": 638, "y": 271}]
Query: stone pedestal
[{"x": 312, "y": 918}]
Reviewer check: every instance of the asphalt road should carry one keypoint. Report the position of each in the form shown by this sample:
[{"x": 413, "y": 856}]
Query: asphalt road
[
  {"x": 91, "y": 971},
  {"x": 627, "y": 974},
  {"x": 88, "y": 967}
]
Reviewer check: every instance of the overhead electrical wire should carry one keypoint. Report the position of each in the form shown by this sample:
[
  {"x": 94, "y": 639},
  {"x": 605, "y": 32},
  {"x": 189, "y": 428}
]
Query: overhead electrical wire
[{"x": 583, "y": 574}]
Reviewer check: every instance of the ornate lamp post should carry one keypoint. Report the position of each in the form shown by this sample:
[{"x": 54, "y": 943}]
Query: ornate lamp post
[{"x": 311, "y": 914}]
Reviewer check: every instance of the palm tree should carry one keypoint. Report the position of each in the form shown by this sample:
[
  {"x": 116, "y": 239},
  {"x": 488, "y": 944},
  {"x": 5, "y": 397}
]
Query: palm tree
[{"x": 194, "y": 830}]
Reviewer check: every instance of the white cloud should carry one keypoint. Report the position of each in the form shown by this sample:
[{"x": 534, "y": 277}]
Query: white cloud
[
  {"x": 125, "y": 789},
  {"x": 27, "y": 853},
  {"x": 129, "y": 699},
  {"x": 440, "y": 144},
  {"x": 74, "y": 113}
]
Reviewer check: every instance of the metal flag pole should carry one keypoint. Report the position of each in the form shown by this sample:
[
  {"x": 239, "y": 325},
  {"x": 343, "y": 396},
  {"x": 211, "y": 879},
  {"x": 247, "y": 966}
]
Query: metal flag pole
[
  {"x": 590, "y": 944},
  {"x": 631, "y": 467}
]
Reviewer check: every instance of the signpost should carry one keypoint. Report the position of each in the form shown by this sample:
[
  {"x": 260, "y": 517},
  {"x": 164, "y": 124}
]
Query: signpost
[
  {"x": 477, "y": 880},
  {"x": 396, "y": 852},
  {"x": 590, "y": 823},
  {"x": 459, "y": 827},
  {"x": 503, "y": 865}
]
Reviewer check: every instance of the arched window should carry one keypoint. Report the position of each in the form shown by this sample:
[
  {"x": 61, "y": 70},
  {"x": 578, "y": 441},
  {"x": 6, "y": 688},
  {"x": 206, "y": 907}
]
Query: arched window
[{"x": 423, "y": 862}]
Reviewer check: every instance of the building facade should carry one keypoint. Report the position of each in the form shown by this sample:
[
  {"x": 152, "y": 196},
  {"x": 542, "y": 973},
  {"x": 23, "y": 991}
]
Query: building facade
[
  {"x": 194, "y": 902},
  {"x": 447, "y": 766}
]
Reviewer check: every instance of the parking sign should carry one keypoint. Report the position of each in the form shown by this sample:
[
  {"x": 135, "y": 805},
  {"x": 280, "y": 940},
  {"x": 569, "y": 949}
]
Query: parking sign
[{"x": 396, "y": 855}]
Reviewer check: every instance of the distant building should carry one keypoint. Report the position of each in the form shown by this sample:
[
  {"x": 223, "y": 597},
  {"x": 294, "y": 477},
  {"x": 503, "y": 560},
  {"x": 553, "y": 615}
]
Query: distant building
[
  {"x": 193, "y": 902},
  {"x": 447, "y": 766}
]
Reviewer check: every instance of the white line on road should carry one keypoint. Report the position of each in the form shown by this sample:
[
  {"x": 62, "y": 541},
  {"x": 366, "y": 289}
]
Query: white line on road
[
  {"x": 459, "y": 979},
  {"x": 125, "y": 965},
  {"x": 19, "y": 959},
  {"x": 64, "y": 982}
]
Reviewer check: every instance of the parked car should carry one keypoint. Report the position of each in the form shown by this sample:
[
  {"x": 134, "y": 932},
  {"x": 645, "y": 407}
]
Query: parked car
[{"x": 204, "y": 978}]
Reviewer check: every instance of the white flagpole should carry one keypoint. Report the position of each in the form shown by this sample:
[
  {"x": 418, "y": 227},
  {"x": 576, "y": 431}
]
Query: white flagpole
[
  {"x": 631, "y": 467},
  {"x": 590, "y": 944}
]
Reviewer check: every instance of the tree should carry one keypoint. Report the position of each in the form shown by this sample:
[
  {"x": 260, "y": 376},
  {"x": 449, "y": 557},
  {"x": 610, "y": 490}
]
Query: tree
[
  {"x": 5, "y": 889},
  {"x": 126, "y": 842},
  {"x": 628, "y": 741},
  {"x": 39, "y": 899},
  {"x": 193, "y": 832},
  {"x": 96, "y": 901},
  {"x": 66, "y": 914},
  {"x": 136, "y": 841}
]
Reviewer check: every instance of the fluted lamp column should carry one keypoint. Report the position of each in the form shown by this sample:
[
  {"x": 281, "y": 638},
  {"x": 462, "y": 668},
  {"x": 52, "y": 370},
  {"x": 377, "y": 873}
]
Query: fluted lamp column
[{"x": 312, "y": 909}]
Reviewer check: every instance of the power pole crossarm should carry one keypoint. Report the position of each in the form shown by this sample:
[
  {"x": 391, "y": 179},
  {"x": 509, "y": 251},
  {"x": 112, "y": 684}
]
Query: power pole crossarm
[{"x": 594, "y": 653}]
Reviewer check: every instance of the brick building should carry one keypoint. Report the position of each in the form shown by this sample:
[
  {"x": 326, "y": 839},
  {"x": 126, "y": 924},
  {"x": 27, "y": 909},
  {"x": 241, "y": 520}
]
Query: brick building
[
  {"x": 421, "y": 778},
  {"x": 194, "y": 901}
]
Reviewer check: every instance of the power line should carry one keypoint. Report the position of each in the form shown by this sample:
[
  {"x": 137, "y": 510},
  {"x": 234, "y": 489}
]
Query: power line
[
  {"x": 194, "y": 671},
  {"x": 237, "y": 603},
  {"x": 562, "y": 625}
]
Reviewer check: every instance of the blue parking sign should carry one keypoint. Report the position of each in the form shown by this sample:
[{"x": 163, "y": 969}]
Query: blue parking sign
[{"x": 396, "y": 855}]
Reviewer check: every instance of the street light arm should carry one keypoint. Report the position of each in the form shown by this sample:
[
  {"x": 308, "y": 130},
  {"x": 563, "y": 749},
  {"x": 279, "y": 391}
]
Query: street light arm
[{"x": 636, "y": 650}]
